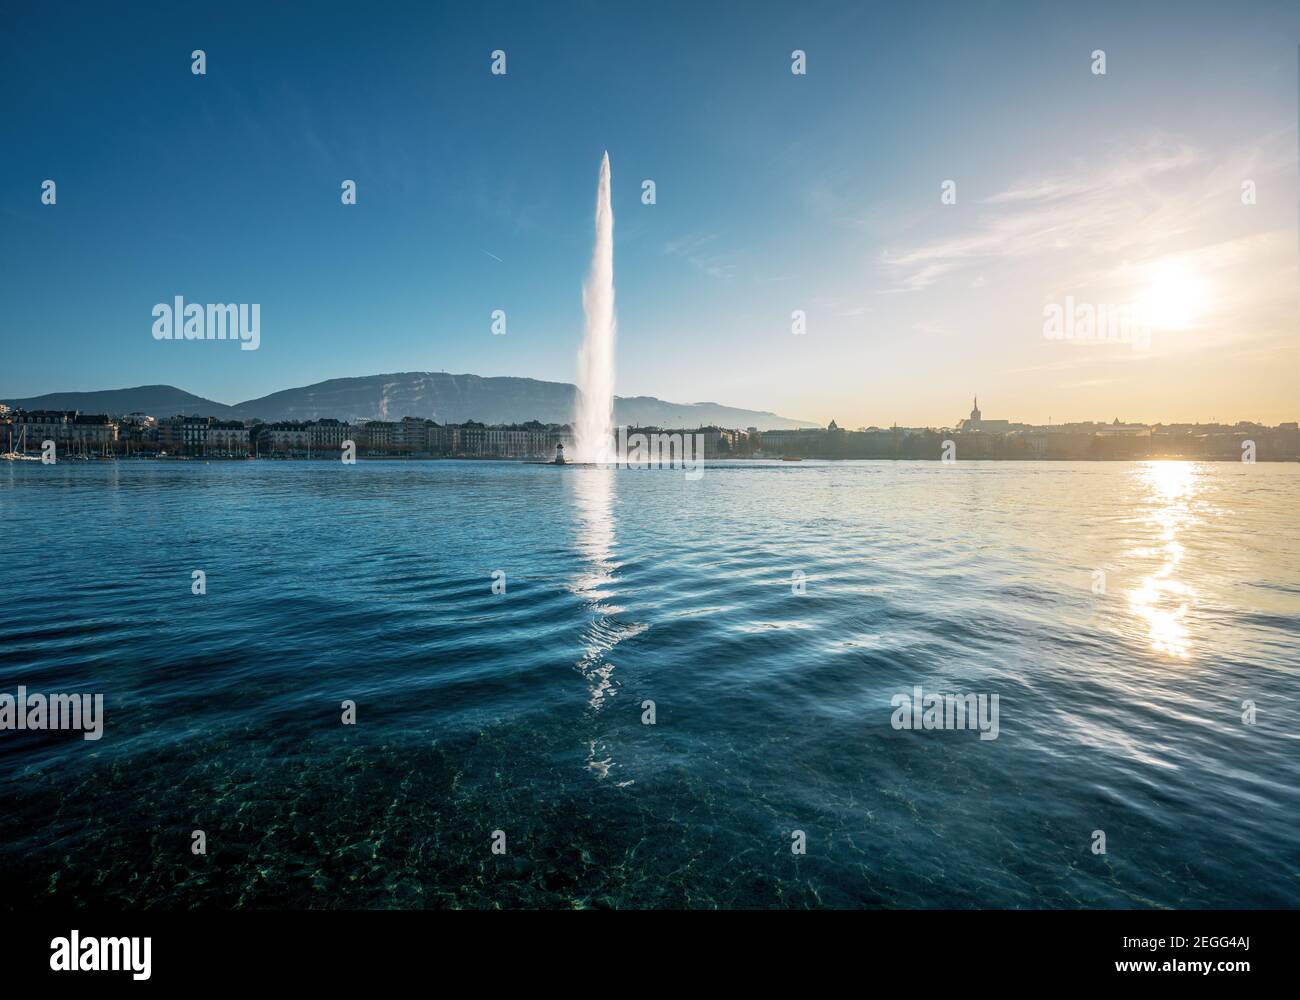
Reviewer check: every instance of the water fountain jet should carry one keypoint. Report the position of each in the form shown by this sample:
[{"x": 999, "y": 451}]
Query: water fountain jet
[{"x": 593, "y": 425}]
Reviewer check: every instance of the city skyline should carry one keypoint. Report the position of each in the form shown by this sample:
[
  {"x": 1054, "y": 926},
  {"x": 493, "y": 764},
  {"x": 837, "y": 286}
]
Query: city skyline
[{"x": 776, "y": 193}]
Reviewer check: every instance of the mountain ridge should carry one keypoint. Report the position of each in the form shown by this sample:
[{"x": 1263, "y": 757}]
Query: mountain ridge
[{"x": 441, "y": 396}]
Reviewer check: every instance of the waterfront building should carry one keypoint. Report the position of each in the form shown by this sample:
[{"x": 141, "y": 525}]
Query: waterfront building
[
  {"x": 284, "y": 437},
  {"x": 443, "y": 440},
  {"x": 92, "y": 433},
  {"x": 136, "y": 433},
  {"x": 327, "y": 435},
  {"x": 535, "y": 441},
  {"x": 227, "y": 438},
  {"x": 44, "y": 425},
  {"x": 804, "y": 442},
  {"x": 377, "y": 436},
  {"x": 410, "y": 436},
  {"x": 184, "y": 435}
]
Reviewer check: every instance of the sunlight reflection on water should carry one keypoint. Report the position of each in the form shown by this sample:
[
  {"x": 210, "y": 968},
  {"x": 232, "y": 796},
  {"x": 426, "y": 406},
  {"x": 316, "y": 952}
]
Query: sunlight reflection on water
[{"x": 1161, "y": 599}]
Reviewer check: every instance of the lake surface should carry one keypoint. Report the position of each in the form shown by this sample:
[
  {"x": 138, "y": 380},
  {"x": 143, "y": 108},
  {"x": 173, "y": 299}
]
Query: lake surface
[{"x": 523, "y": 712}]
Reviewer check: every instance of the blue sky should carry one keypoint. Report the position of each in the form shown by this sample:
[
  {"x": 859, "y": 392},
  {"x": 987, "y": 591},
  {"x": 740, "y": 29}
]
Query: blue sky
[{"x": 775, "y": 193}]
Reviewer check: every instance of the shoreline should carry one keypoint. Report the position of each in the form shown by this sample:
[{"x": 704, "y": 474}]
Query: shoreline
[{"x": 717, "y": 459}]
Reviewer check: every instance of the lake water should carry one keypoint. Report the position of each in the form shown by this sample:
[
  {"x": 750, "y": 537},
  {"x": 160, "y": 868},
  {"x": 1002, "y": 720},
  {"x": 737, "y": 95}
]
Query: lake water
[{"x": 522, "y": 712}]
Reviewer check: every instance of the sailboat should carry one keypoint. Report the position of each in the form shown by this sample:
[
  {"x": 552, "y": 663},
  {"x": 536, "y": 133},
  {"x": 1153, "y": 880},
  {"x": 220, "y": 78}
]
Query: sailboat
[{"x": 17, "y": 454}]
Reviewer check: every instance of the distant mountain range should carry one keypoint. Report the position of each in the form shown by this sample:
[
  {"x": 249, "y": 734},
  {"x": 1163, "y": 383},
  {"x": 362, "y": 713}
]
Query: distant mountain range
[{"x": 428, "y": 395}]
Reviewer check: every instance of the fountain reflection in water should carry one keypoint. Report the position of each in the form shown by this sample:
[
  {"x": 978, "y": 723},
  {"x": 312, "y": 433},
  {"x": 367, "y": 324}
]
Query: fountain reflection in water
[{"x": 593, "y": 500}]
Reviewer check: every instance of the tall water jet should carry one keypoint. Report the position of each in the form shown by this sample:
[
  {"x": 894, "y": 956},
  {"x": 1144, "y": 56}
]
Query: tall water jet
[{"x": 593, "y": 425}]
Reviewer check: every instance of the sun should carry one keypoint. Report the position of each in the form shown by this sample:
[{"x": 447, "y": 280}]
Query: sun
[{"x": 1174, "y": 298}]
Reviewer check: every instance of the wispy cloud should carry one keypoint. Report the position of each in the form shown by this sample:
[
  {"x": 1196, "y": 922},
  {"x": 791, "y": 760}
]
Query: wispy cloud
[
  {"x": 695, "y": 249},
  {"x": 1091, "y": 220}
]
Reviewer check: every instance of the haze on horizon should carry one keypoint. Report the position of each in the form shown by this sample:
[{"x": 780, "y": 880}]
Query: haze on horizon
[{"x": 774, "y": 193}]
